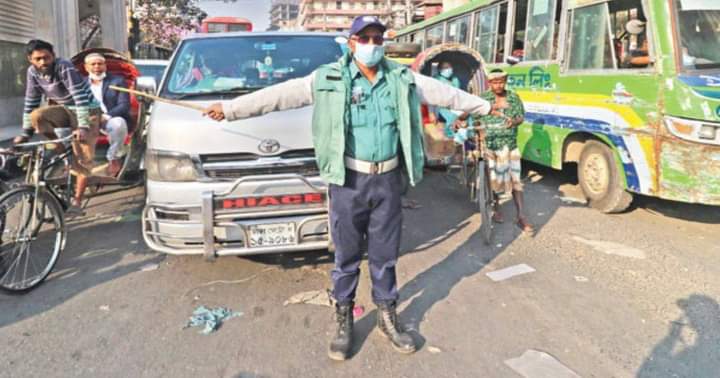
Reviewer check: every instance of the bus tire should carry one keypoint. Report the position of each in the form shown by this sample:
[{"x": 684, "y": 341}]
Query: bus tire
[{"x": 600, "y": 180}]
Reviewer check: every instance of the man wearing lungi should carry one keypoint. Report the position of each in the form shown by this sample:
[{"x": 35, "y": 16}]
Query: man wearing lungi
[{"x": 502, "y": 153}]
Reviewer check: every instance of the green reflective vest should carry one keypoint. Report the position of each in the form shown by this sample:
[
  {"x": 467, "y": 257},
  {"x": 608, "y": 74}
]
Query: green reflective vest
[{"x": 331, "y": 118}]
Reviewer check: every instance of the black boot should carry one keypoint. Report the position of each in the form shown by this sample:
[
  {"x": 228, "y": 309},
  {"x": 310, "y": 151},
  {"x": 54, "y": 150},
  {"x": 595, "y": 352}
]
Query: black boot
[
  {"x": 387, "y": 324},
  {"x": 341, "y": 345}
]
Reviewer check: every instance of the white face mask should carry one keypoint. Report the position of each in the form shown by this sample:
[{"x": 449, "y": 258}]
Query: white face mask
[{"x": 97, "y": 77}]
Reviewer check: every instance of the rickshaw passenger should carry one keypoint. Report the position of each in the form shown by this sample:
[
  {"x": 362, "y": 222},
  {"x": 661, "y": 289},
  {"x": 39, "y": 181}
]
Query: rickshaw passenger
[
  {"x": 447, "y": 76},
  {"x": 502, "y": 153},
  {"x": 59, "y": 81},
  {"x": 115, "y": 108}
]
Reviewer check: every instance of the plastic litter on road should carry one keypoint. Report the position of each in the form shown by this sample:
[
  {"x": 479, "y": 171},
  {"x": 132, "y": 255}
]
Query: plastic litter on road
[
  {"x": 210, "y": 318},
  {"x": 510, "y": 272},
  {"x": 314, "y": 297},
  {"x": 536, "y": 364}
]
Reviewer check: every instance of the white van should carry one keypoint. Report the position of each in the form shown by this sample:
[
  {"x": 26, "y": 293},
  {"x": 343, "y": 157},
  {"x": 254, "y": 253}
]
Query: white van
[{"x": 239, "y": 188}]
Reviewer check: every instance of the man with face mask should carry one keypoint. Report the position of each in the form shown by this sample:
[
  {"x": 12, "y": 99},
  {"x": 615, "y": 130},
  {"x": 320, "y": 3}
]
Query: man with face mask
[
  {"x": 62, "y": 84},
  {"x": 446, "y": 75},
  {"x": 366, "y": 127},
  {"x": 115, "y": 108}
]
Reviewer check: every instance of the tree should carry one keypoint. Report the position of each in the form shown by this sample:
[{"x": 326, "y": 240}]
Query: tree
[{"x": 164, "y": 22}]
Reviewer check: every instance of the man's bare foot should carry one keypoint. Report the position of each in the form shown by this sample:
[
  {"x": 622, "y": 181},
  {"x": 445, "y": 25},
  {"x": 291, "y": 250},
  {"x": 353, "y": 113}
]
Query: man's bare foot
[{"x": 525, "y": 226}]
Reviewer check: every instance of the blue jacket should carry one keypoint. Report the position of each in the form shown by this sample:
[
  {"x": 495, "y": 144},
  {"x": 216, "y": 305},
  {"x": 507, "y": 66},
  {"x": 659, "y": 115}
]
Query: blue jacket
[{"x": 116, "y": 103}]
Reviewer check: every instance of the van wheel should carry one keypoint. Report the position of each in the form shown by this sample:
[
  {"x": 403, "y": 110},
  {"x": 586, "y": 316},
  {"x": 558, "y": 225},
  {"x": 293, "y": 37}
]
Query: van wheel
[{"x": 600, "y": 180}]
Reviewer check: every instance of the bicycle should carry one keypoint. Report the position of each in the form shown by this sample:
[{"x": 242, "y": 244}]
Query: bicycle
[
  {"x": 32, "y": 220},
  {"x": 476, "y": 177}
]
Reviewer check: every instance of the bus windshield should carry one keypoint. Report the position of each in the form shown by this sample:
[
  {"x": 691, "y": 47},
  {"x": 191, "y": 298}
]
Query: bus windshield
[{"x": 699, "y": 33}]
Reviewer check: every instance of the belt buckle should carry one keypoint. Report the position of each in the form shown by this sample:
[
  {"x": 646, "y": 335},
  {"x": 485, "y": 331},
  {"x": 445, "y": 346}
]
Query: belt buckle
[{"x": 374, "y": 168}]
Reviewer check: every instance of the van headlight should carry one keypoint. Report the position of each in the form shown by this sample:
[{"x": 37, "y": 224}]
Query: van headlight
[
  {"x": 696, "y": 131},
  {"x": 169, "y": 166}
]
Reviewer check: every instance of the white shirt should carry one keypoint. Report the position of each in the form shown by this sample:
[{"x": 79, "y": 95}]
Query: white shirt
[
  {"x": 297, "y": 93},
  {"x": 98, "y": 93}
]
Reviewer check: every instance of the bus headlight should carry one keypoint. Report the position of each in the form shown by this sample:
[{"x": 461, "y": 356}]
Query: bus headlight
[
  {"x": 692, "y": 130},
  {"x": 169, "y": 166},
  {"x": 708, "y": 132}
]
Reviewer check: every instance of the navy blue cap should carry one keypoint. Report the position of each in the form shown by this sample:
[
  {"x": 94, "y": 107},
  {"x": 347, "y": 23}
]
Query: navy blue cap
[{"x": 362, "y": 22}]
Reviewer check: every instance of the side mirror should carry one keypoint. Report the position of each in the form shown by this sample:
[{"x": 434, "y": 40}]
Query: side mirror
[
  {"x": 146, "y": 84},
  {"x": 511, "y": 60}
]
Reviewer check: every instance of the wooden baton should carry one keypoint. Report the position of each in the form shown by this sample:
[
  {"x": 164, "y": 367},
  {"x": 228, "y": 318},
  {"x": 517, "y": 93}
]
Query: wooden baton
[{"x": 184, "y": 104}]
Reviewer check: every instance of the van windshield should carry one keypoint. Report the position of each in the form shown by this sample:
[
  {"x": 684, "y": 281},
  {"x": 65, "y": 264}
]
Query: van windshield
[
  {"x": 244, "y": 63},
  {"x": 699, "y": 33}
]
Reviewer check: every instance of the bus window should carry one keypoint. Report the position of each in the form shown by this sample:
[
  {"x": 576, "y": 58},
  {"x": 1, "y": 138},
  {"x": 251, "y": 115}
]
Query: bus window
[
  {"x": 589, "y": 40},
  {"x": 434, "y": 35},
  {"x": 699, "y": 35},
  {"x": 540, "y": 31},
  {"x": 458, "y": 30},
  {"x": 486, "y": 33},
  {"x": 518, "y": 35},
  {"x": 215, "y": 28},
  {"x": 237, "y": 27},
  {"x": 632, "y": 40}
]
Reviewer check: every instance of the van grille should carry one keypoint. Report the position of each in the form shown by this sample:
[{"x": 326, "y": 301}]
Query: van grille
[{"x": 231, "y": 166}]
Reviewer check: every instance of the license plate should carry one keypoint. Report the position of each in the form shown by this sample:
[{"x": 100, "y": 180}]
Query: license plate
[{"x": 272, "y": 235}]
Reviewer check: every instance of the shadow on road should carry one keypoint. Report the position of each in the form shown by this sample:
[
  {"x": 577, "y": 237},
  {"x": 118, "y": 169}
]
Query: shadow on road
[
  {"x": 690, "y": 348},
  {"x": 690, "y": 212},
  {"x": 94, "y": 254},
  {"x": 441, "y": 220}
]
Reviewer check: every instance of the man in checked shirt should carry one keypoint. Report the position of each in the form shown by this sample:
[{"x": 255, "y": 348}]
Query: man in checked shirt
[{"x": 77, "y": 109}]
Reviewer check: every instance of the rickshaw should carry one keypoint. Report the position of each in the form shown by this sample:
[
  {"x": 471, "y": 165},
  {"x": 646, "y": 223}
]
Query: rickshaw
[
  {"x": 32, "y": 219},
  {"x": 465, "y": 149}
]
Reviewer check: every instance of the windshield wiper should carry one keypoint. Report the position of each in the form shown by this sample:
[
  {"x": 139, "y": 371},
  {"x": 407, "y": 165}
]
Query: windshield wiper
[{"x": 220, "y": 92}]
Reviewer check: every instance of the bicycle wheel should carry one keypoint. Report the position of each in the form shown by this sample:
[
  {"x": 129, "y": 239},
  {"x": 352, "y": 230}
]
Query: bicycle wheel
[
  {"x": 483, "y": 198},
  {"x": 33, "y": 235}
]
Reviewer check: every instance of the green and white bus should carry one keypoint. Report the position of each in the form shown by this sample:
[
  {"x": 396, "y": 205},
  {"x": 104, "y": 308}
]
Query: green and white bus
[{"x": 628, "y": 89}]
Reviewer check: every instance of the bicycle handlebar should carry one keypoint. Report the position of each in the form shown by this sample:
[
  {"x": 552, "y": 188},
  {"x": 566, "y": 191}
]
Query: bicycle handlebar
[{"x": 42, "y": 142}]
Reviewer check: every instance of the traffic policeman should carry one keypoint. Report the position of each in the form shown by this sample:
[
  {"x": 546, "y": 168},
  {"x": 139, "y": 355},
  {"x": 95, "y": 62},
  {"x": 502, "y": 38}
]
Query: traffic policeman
[{"x": 366, "y": 127}]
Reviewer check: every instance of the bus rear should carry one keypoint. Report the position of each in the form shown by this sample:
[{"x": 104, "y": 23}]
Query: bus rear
[{"x": 225, "y": 24}]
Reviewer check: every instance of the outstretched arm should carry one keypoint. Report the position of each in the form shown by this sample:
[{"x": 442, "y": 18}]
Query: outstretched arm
[
  {"x": 291, "y": 94},
  {"x": 435, "y": 93}
]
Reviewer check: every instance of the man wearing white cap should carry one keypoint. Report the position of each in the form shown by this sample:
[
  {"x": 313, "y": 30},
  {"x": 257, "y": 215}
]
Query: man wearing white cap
[{"x": 115, "y": 107}]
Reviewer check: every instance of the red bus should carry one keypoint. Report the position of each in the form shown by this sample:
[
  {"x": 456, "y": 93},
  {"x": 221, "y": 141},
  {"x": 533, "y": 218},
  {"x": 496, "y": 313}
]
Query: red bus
[{"x": 225, "y": 24}]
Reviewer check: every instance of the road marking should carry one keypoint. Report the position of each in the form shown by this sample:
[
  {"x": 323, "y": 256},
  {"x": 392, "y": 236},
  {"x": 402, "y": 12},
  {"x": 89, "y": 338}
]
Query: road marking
[
  {"x": 536, "y": 364},
  {"x": 611, "y": 248},
  {"x": 510, "y": 272}
]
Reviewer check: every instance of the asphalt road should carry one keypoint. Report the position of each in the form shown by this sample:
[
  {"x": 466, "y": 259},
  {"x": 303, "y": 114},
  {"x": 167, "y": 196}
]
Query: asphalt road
[{"x": 628, "y": 295}]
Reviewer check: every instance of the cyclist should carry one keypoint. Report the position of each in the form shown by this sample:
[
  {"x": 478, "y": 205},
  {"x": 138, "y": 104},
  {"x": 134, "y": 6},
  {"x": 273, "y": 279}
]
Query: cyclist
[{"x": 59, "y": 81}]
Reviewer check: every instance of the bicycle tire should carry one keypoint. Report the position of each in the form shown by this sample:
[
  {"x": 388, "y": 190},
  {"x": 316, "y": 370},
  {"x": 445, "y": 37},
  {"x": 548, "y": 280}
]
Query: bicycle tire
[
  {"x": 483, "y": 198},
  {"x": 22, "y": 246}
]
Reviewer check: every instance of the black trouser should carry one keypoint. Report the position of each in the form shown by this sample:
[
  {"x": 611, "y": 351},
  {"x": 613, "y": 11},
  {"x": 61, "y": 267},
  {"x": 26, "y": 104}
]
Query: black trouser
[{"x": 367, "y": 206}]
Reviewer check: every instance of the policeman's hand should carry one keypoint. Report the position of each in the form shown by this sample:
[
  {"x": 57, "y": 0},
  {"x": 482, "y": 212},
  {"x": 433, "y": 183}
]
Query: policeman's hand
[
  {"x": 81, "y": 134},
  {"x": 20, "y": 139},
  {"x": 215, "y": 111}
]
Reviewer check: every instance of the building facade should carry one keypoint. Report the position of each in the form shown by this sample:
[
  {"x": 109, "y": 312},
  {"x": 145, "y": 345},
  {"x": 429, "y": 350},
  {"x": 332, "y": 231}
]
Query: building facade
[
  {"x": 58, "y": 22},
  {"x": 331, "y": 15},
  {"x": 284, "y": 14}
]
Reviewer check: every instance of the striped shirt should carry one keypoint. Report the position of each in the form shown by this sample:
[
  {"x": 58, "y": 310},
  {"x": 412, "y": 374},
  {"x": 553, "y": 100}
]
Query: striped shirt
[{"x": 65, "y": 86}]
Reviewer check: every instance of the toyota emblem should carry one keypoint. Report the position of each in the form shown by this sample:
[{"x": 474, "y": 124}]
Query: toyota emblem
[{"x": 269, "y": 146}]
